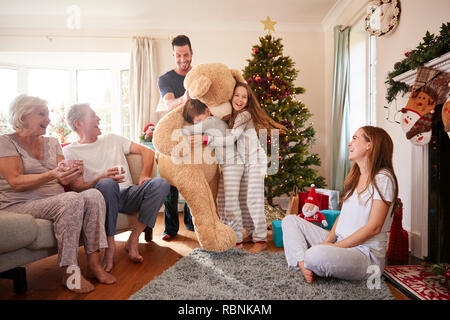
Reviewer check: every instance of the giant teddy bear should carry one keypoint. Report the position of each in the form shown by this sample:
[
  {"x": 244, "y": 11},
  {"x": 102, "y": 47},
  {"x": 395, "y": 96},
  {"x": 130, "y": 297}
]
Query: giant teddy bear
[{"x": 197, "y": 181}]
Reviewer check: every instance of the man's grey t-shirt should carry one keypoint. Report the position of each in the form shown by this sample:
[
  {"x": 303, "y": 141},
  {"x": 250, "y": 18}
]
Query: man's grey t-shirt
[{"x": 171, "y": 82}]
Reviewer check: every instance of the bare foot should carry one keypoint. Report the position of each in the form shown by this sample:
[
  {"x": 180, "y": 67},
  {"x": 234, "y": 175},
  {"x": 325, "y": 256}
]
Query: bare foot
[
  {"x": 307, "y": 274},
  {"x": 101, "y": 275},
  {"x": 108, "y": 259},
  {"x": 258, "y": 247},
  {"x": 133, "y": 250},
  {"x": 84, "y": 286}
]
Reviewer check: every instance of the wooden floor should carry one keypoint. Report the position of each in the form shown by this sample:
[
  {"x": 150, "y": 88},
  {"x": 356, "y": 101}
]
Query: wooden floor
[{"x": 44, "y": 277}]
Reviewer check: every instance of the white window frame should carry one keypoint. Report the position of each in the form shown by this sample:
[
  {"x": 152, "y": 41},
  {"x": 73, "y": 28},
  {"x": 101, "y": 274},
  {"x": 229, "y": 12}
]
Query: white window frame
[
  {"x": 370, "y": 87},
  {"x": 121, "y": 105},
  {"x": 5, "y": 107},
  {"x": 372, "y": 91}
]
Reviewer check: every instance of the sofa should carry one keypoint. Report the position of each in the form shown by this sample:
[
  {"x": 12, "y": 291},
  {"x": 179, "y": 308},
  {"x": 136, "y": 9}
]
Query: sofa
[{"x": 24, "y": 239}]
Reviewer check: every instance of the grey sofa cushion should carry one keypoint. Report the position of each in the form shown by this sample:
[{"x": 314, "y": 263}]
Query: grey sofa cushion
[
  {"x": 16, "y": 231},
  {"x": 125, "y": 221},
  {"x": 45, "y": 236}
]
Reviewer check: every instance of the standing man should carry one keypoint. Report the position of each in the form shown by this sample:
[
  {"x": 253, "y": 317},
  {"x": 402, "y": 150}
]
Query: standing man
[
  {"x": 174, "y": 94},
  {"x": 106, "y": 169}
]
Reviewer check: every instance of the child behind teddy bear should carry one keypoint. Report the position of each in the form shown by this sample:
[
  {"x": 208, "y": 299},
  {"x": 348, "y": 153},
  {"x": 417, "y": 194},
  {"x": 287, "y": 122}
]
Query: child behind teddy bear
[{"x": 231, "y": 165}]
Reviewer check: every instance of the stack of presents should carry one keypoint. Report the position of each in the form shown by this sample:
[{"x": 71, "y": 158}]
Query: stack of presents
[{"x": 327, "y": 212}]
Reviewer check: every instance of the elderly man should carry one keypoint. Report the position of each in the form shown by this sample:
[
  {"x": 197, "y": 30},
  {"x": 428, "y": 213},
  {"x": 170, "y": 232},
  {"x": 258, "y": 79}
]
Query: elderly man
[{"x": 104, "y": 157}]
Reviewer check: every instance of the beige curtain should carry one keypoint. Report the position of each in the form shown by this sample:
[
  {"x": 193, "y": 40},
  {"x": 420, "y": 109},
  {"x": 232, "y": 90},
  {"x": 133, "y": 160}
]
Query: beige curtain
[{"x": 144, "y": 93}]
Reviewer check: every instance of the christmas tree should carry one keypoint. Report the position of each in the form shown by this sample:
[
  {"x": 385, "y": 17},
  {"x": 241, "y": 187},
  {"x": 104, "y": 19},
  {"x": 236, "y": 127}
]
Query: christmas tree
[{"x": 271, "y": 76}]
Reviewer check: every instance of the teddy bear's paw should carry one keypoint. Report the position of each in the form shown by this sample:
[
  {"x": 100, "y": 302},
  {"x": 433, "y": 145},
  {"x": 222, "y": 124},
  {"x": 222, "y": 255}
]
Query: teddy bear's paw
[{"x": 221, "y": 238}]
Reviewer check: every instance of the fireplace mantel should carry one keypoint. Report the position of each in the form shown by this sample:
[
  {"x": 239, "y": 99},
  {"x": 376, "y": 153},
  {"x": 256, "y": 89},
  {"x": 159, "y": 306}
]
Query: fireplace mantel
[
  {"x": 420, "y": 174},
  {"x": 441, "y": 63}
]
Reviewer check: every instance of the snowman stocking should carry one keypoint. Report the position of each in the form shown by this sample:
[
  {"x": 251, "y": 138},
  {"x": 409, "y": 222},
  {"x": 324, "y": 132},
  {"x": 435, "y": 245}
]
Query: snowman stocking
[
  {"x": 446, "y": 116},
  {"x": 420, "y": 132}
]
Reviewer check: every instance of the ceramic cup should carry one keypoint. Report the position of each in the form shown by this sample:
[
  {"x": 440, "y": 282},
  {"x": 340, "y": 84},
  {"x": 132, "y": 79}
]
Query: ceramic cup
[
  {"x": 66, "y": 164},
  {"x": 120, "y": 169}
]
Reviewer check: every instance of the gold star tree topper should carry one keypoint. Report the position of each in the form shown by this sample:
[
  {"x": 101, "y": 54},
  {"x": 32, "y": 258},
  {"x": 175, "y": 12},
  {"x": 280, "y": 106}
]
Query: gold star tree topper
[{"x": 268, "y": 24}]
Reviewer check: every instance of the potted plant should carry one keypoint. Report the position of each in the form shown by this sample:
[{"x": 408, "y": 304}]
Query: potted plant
[{"x": 146, "y": 137}]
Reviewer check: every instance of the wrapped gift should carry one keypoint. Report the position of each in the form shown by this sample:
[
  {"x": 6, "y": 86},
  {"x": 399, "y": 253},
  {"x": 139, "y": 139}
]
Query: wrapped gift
[
  {"x": 330, "y": 216},
  {"x": 273, "y": 213},
  {"x": 277, "y": 234},
  {"x": 333, "y": 198}
]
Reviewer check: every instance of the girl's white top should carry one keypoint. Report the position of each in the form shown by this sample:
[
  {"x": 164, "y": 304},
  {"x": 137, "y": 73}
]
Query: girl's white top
[{"x": 355, "y": 214}]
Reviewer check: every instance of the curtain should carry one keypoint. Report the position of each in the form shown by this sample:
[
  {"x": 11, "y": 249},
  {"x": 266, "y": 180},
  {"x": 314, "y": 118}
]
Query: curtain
[
  {"x": 340, "y": 165},
  {"x": 144, "y": 93}
]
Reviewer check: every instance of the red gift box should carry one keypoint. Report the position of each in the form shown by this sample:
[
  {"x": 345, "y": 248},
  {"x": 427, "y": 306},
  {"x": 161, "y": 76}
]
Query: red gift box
[{"x": 321, "y": 198}]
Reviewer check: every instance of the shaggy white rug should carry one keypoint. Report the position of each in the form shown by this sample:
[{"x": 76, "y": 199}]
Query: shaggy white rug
[{"x": 238, "y": 275}]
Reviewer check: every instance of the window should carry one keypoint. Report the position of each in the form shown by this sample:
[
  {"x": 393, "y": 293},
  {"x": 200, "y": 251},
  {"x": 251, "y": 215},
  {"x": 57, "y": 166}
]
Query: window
[
  {"x": 8, "y": 85},
  {"x": 95, "y": 88},
  {"x": 53, "y": 86},
  {"x": 362, "y": 78},
  {"x": 100, "y": 79},
  {"x": 125, "y": 102},
  {"x": 372, "y": 77}
]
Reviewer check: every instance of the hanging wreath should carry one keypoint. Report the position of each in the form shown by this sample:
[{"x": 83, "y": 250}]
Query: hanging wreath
[{"x": 383, "y": 17}]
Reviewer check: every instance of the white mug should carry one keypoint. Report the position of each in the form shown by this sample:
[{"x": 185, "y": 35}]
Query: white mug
[{"x": 121, "y": 169}]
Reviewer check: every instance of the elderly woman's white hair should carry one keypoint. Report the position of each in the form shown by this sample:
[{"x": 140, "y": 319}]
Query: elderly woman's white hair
[
  {"x": 21, "y": 106},
  {"x": 75, "y": 113}
]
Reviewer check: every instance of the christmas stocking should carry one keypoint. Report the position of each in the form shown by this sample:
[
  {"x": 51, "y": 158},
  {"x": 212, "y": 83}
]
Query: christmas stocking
[
  {"x": 398, "y": 247},
  {"x": 446, "y": 116},
  {"x": 430, "y": 88},
  {"x": 420, "y": 132}
]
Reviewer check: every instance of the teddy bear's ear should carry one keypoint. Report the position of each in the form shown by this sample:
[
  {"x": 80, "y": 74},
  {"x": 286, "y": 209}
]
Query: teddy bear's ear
[
  {"x": 199, "y": 87},
  {"x": 237, "y": 75}
]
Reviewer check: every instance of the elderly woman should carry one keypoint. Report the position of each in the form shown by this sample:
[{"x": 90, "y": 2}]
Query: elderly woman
[{"x": 31, "y": 182}]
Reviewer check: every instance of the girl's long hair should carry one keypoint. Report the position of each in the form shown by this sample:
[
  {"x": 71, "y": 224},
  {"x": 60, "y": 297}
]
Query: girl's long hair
[
  {"x": 261, "y": 119},
  {"x": 379, "y": 160}
]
